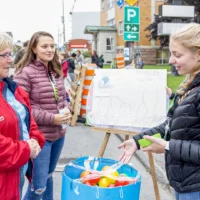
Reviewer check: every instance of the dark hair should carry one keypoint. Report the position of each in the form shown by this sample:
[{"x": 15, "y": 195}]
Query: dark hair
[
  {"x": 25, "y": 44},
  {"x": 30, "y": 56},
  {"x": 73, "y": 55},
  {"x": 94, "y": 53},
  {"x": 78, "y": 51}
]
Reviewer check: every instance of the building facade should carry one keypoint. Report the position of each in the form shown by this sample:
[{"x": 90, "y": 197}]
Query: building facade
[
  {"x": 150, "y": 52},
  {"x": 78, "y": 44},
  {"x": 80, "y": 20},
  {"x": 113, "y": 15}
]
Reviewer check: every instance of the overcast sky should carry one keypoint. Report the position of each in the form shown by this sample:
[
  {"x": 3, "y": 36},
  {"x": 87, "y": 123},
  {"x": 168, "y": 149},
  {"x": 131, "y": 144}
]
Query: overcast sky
[{"x": 24, "y": 17}]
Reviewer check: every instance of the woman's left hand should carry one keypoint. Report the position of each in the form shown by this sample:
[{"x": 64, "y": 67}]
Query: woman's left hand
[
  {"x": 158, "y": 145},
  {"x": 68, "y": 115}
]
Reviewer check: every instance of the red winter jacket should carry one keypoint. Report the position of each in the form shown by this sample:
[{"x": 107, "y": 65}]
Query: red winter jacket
[
  {"x": 65, "y": 66},
  {"x": 13, "y": 152}
]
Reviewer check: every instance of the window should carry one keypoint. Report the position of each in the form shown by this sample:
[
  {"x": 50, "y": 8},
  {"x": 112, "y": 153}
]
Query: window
[
  {"x": 110, "y": 4},
  {"x": 176, "y": 2},
  {"x": 102, "y": 5},
  {"x": 109, "y": 44},
  {"x": 111, "y": 22},
  {"x": 121, "y": 28},
  {"x": 162, "y": 56}
]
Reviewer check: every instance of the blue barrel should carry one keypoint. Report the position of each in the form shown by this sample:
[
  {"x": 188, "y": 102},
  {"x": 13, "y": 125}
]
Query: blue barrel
[{"x": 73, "y": 190}]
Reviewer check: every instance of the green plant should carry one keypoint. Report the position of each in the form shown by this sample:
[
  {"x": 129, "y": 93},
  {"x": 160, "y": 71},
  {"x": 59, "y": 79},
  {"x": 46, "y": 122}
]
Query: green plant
[{"x": 87, "y": 54}]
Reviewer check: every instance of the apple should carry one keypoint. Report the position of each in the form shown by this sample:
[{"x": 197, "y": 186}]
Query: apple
[
  {"x": 104, "y": 182},
  {"x": 84, "y": 174}
]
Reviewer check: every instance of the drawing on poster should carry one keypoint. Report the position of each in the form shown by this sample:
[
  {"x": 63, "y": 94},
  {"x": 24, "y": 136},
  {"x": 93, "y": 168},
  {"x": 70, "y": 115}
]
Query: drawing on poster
[{"x": 128, "y": 98}]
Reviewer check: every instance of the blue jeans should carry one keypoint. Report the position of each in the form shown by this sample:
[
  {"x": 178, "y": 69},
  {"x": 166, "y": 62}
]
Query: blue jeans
[
  {"x": 187, "y": 196},
  {"x": 44, "y": 166},
  {"x": 72, "y": 76}
]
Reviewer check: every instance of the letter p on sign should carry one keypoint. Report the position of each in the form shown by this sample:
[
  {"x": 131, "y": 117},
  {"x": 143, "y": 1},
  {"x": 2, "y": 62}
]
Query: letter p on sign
[{"x": 131, "y": 13}]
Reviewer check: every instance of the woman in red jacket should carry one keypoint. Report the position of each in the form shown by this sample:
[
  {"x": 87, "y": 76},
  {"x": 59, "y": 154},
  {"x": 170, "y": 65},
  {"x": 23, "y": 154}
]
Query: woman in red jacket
[
  {"x": 39, "y": 73},
  {"x": 20, "y": 138}
]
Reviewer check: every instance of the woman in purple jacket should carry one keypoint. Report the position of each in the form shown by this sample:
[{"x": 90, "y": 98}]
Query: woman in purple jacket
[{"x": 39, "y": 73}]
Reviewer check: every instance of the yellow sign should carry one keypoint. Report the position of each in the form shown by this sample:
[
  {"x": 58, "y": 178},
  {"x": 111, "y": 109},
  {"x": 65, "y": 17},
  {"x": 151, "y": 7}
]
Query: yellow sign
[{"x": 131, "y": 2}]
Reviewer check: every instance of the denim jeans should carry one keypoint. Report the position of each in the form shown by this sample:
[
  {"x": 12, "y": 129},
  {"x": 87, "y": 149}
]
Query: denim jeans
[
  {"x": 44, "y": 166},
  {"x": 72, "y": 76},
  {"x": 188, "y": 196}
]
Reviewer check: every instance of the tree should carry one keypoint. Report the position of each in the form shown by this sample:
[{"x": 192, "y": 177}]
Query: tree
[{"x": 152, "y": 28}]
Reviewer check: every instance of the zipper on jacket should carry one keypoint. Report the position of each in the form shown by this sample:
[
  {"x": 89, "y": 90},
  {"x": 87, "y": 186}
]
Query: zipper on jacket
[{"x": 167, "y": 128}]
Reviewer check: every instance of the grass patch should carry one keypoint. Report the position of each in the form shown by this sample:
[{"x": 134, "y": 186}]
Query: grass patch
[
  {"x": 167, "y": 67},
  {"x": 173, "y": 82},
  {"x": 106, "y": 66}
]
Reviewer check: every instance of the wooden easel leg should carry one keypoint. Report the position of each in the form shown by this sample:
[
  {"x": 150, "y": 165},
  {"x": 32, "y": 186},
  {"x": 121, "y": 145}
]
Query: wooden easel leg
[
  {"x": 153, "y": 174},
  {"x": 104, "y": 144},
  {"x": 126, "y": 137}
]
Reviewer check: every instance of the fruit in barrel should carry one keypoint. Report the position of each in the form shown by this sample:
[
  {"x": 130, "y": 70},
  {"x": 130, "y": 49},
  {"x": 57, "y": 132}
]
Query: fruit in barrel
[
  {"x": 84, "y": 174},
  {"x": 104, "y": 182},
  {"x": 122, "y": 180},
  {"x": 111, "y": 176},
  {"x": 93, "y": 179}
]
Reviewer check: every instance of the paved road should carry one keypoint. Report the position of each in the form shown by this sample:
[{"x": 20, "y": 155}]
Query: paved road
[{"x": 81, "y": 141}]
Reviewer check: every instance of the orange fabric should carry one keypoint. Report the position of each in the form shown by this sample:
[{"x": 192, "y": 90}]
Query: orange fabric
[
  {"x": 85, "y": 92},
  {"x": 120, "y": 58},
  {"x": 120, "y": 61},
  {"x": 84, "y": 102},
  {"x": 87, "y": 82},
  {"x": 89, "y": 72},
  {"x": 82, "y": 112}
]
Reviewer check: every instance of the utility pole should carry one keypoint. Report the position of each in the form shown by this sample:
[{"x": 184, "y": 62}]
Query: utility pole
[
  {"x": 137, "y": 55},
  {"x": 63, "y": 20}
]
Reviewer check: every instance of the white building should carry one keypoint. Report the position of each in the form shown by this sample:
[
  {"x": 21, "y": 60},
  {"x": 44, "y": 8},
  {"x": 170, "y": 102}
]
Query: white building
[{"x": 82, "y": 19}]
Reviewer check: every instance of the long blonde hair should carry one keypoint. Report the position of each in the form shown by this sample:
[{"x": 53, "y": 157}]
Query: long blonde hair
[
  {"x": 188, "y": 37},
  {"x": 30, "y": 56},
  {"x": 5, "y": 41}
]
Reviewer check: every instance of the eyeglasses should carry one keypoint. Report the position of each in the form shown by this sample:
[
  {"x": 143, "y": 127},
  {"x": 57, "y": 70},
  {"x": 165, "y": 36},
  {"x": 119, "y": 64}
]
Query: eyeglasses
[{"x": 6, "y": 55}]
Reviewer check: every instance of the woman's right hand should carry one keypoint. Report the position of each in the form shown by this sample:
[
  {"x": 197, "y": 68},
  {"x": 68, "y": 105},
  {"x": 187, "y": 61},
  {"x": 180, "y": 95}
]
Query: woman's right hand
[
  {"x": 60, "y": 119},
  {"x": 169, "y": 91},
  {"x": 130, "y": 148},
  {"x": 34, "y": 147}
]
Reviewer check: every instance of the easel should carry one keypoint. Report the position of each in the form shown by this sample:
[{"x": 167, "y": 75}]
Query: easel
[
  {"x": 76, "y": 93},
  {"x": 127, "y": 134}
]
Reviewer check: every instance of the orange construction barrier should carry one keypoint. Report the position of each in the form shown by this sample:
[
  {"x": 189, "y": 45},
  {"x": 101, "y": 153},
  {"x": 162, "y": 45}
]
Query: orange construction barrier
[
  {"x": 90, "y": 72},
  {"x": 120, "y": 61}
]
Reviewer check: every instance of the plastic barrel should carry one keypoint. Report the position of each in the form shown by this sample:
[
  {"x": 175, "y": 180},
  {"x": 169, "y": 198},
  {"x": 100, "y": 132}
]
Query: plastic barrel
[
  {"x": 73, "y": 190},
  {"x": 120, "y": 61},
  {"x": 89, "y": 74}
]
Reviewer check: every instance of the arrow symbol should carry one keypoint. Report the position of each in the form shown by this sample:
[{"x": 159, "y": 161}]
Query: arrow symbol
[
  {"x": 134, "y": 28},
  {"x": 131, "y": 36},
  {"x": 128, "y": 28}
]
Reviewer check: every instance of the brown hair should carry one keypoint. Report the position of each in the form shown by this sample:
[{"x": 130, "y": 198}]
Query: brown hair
[
  {"x": 188, "y": 37},
  {"x": 25, "y": 44},
  {"x": 30, "y": 56}
]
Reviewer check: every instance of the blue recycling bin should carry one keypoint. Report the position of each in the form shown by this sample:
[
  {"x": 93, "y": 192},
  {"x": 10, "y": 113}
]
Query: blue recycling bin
[{"x": 74, "y": 190}]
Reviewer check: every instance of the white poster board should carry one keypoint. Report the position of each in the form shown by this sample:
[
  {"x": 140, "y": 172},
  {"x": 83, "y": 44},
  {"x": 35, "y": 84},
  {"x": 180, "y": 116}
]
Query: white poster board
[{"x": 128, "y": 98}]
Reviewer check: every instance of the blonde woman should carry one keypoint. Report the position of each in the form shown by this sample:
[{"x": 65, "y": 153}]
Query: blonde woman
[
  {"x": 20, "y": 139},
  {"x": 181, "y": 131}
]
